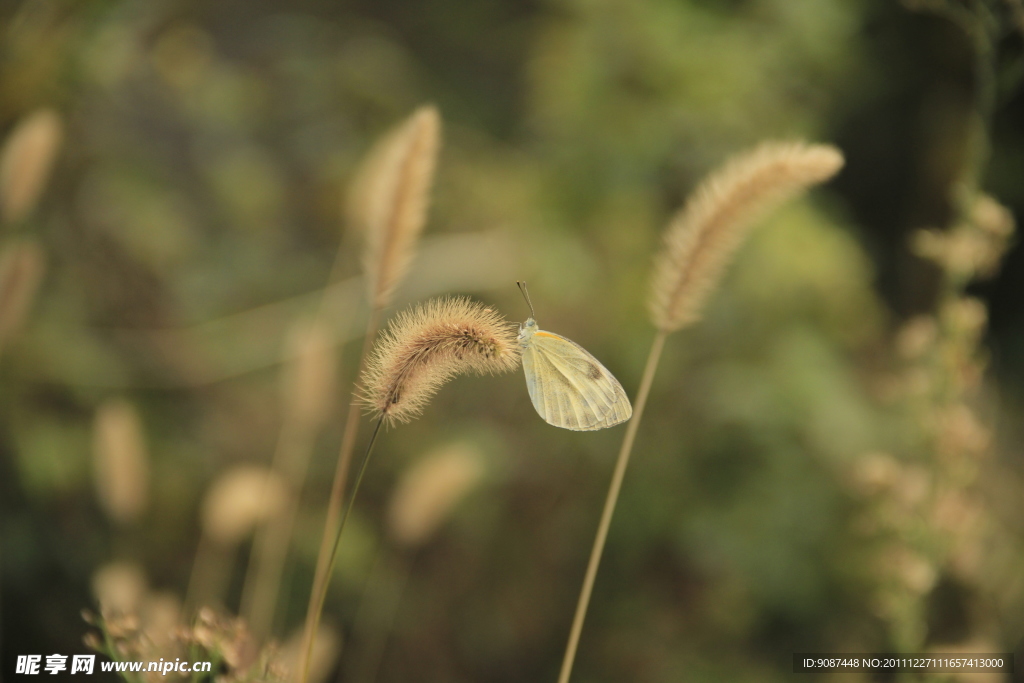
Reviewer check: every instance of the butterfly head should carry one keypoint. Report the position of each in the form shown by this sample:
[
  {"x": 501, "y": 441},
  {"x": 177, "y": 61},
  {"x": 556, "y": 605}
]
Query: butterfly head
[{"x": 527, "y": 330}]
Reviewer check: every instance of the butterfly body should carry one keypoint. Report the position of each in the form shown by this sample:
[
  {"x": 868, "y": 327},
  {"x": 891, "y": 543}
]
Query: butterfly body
[{"x": 568, "y": 386}]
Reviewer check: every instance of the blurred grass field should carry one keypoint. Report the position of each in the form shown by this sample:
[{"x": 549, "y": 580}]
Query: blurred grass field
[{"x": 830, "y": 461}]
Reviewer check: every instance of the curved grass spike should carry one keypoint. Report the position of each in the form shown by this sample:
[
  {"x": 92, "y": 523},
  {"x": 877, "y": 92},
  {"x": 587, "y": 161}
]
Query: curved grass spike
[
  {"x": 26, "y": 160},
  {"x": 699, "y": 243},
  {"x": 420, "y": 351},
  {"x": 387, "y": 204}
]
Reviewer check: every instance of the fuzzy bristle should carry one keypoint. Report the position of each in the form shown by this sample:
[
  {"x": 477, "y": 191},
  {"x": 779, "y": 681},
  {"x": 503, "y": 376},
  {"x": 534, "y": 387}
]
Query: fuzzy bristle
[
  {"x": 705, "y": 233},
  {"x": 389, "y": 199},
  {"x": 425, "y": 347}
]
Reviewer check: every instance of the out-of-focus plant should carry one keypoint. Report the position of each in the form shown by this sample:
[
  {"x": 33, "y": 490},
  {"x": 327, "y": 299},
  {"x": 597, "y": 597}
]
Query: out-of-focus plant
[
  {"x": 25, "y": 163},
  {"x": 222, "y": 642},
  {"x": 420, "y": 351},
  {"x": 929, "y": 514},
  {"x": 699, "y": 244},
  {"x": 21, "y": 271},
  {"x": 941, "y": 545},
  {"x": 388, "y": 207},
  {"x": 326, "y": 648},
  {"x": 121, "y": 460},
  {"x": 422, "y": 501},
  {"x": 240, "y": 501}
]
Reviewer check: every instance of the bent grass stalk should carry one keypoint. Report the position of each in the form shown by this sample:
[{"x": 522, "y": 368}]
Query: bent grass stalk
[
  {"x": 348, "y": 441},
  {"x": 699, "y": 243},
  {"x": 320, "y": 592},
  {"x": 389, "y": 206},
  {"x": 653, "y": 356},
  {"x": 420, "y": 351},
  {"x": 334, "y": 518}
]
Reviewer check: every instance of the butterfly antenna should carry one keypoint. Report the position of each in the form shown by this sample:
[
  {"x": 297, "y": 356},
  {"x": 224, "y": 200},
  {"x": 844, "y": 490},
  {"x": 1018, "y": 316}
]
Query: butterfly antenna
[{"x": 526, "y": 295}]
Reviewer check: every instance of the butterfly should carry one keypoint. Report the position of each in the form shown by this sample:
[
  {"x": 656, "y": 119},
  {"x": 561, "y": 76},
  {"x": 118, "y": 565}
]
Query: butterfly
[{"x": 568, "y": 386}]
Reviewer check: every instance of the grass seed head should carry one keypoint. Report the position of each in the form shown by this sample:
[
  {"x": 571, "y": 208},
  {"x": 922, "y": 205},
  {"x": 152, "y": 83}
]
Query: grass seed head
[
  {"x": 119, "y": 588},
  {"x": 429, "y": 491},
  {"x": 121, "y": 461},
  {"x": 242, "y": 498},
  {"x": 425, "y": 347},
  {"x": 389, "y": 199},
  {"x": 705, "y": 233},
  {"x": 25, "y": 163}
]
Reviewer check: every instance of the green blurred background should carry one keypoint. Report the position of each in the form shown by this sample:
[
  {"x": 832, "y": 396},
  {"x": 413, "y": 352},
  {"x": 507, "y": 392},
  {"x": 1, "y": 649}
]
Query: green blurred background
[{"x": 195, "y": 210}]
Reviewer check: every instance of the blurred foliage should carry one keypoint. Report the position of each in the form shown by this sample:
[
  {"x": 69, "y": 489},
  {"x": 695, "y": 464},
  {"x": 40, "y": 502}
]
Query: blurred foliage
[{"x": 194, "y": 215}]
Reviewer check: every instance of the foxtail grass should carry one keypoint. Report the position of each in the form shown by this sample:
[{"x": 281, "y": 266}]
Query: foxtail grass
[
  {"x": 428, "y": 492},
  {"x": 426, "y": 347},
  {"x": 420, "y": 351},
  {"x": 703, "y": 236},
  {"x": 699, "y": 243},
  {"x": 393, "y": 192},
  {"x": 25, "y": 163},
  {"x": 388, "y": 206},
  {"x": 121, "y": 461}
]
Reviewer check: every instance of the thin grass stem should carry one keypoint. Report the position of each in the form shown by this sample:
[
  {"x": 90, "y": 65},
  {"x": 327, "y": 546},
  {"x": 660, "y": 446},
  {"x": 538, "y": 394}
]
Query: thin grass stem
[
  {"x": 293, "y": 452},
  {"x": 320, "y": 592},
  {"x": 348, "y": 441},
  {"x": 609, "y": 505}
]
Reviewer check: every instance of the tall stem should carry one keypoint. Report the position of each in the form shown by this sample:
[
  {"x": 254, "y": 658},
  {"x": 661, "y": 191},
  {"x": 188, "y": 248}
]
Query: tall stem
[
  {"x": 609, "y": 506},
  {"x": 320, "y": 593},
  {"x": 348, "y": 441},
  {"x": 291, "y": 458}
]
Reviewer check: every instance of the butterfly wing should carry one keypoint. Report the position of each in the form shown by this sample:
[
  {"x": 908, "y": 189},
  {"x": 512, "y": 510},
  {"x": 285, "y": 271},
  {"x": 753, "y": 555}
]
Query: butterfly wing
[{"x": 569, "y": 387}]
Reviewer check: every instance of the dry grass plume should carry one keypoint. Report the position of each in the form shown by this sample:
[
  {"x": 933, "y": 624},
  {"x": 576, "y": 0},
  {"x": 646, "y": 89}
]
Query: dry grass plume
[
  {"x": 242, "y": 498},
  {"x": 429, "y": 491},
  {"x": 121, "y": 461},
  {"x": 389, "y": 199},
  {"x": 704, "y": 234},
  {"x": 425, "y": 347},
  {"x": 25, "y": 162}
]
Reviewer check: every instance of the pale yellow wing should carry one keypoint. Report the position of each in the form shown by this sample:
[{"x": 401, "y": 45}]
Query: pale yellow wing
[{"x": 569, "y": 387}]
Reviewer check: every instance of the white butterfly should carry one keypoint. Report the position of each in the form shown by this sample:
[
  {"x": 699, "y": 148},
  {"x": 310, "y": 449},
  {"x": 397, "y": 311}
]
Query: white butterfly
[{"x": 568, "y": 386}]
